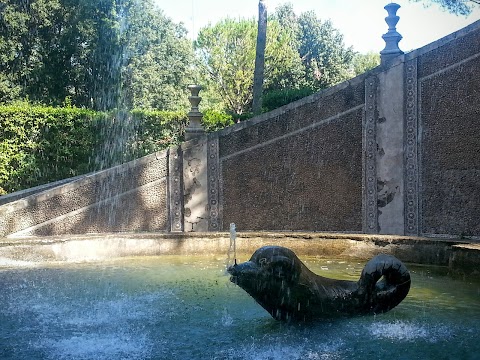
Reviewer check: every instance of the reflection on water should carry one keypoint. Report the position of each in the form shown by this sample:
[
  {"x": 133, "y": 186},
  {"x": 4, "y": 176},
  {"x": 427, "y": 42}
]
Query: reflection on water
[{"x": 174, "y": 307}]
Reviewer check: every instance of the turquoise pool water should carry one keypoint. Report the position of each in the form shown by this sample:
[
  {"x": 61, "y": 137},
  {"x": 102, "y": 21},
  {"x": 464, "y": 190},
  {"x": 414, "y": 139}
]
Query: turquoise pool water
[{"x": 184, "y": 307}]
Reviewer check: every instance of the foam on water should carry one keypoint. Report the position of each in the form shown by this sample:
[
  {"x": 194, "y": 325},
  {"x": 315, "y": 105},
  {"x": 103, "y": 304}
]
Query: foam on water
[
  {"x": 96, "y": 329},
  {"x": 183, "y": 308},
  {"x": 277, "y": 350},
  {"x": 110, "y": 329},
  {"x": 408, "y": 331},
  {"x": 98, "y": 346}
]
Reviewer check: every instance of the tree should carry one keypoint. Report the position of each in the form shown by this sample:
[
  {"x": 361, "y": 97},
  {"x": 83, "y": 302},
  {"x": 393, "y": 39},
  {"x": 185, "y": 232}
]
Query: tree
[
  {"x": 363, "y": 62},
  {"x": 225, "y": 51},
  {"x": 302, "y": 52},
  {"x": 58, "y": 48},
  {"x": 160, "y": 57},
  {"x": 23, "y": 27},
  {"x": 320, "y": 46},
  {"x": 322, "y": 51},
  {"x": 260, "y": 57},
  {"x": 458, "y": 7},
  {"x": 89, "y": 51},
  {"x": 226, "y": 54}
]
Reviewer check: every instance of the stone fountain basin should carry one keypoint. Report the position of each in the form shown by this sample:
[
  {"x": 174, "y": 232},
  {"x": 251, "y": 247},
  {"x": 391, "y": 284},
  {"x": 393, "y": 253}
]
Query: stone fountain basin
[
  {"x": 459, "y": 255},
  {"x": 164, "y": 296}
]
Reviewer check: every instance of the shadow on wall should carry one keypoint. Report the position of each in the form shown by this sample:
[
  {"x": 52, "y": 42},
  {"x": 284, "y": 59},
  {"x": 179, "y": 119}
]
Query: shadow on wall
[{"x": 129, "y": 197}]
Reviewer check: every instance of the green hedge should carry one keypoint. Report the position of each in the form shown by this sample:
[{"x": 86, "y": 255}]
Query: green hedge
[
  {"x": 157, "y": 130},
  {"x": 41, "y": 144},
  {"x": 215, "y": 120},
  {"x": 276, "y": 98}
]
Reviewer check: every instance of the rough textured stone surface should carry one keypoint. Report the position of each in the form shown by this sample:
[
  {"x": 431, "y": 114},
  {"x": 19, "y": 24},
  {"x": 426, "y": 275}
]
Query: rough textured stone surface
[
  {"x": 293, "y": 119},
  {"x": 195, "y": 184},
  {"x": 311, "y": 180},
  {"x": 449, "y": 54},
  {"x": 142, "y": 209},
  {"x": 450, "y": 148},
  {"x": 118, "y": 199}
]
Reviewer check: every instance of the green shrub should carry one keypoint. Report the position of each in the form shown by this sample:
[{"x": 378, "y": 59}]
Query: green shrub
[
  {"x": 43, "y": 144},
  {"x": 277, "y": 98},
  {"x": 214, "y": 120},
  {"x": 156, "y": 130}
]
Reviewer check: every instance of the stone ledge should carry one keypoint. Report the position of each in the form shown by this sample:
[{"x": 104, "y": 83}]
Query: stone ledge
[
  {"x": 465, "y": 259},
  {"x": 462, "y": 257}
]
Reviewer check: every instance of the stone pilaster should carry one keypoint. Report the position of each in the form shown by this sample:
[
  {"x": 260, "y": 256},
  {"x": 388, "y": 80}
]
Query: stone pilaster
[
  {"x": 390, "y": 151},
  {"x": 214, "y": 207},
  {"x": 195, "y": 185}
]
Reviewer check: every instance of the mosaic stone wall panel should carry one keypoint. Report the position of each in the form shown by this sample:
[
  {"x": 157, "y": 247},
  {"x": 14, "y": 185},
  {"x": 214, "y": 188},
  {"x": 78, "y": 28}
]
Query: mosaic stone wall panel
[
  {"x": 101, "y": 191},
  {"x": 293, "y": 119},
  {"x": 450, "y": 148},
  {"x": 141, "y": 209},
  {"x": 213, "y": 174},
  {"x": 308, "y": 180},
  {"x": 176, "y": 189},
  {"x": 449, "y": 54}
]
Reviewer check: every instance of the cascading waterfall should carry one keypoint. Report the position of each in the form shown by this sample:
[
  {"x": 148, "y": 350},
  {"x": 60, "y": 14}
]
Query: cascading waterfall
[{"x": 117, "y": 130}]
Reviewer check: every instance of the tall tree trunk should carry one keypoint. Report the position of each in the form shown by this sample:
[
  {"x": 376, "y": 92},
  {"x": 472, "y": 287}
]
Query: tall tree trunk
[{"x": 259, "y": 72}]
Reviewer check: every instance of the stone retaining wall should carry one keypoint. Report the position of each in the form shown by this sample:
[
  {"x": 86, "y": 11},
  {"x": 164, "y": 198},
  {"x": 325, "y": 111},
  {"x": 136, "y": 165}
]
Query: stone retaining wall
[
  {"x": 130, "y": 197},
  {"x": 392, "y": 151}
]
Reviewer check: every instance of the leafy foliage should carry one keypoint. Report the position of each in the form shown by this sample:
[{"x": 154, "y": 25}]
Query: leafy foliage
[
  {"x": 157, "y": 130},
  {"x": 320, "y": 46},
  {"x": 159, "y": 66},
  {"x": 458, "y": 7},
  {"x": 363, "y": 62},
  {"x": 227, "y": 55},
  {"x": 301, "y": 52},
  {"x": 214, "y": 120},
  {"x": 89, "y": 50},
  {"x": 277, "y": 98},
  {"x": 44, "y": 144}
]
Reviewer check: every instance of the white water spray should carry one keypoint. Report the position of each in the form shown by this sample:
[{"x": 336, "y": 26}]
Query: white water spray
[{"x": 233, "y": 245}]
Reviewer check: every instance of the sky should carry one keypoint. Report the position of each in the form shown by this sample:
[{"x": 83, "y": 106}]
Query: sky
[{"x": 360, "y": 21}]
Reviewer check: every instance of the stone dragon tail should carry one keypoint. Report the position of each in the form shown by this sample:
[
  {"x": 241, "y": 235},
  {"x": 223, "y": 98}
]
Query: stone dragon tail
[{"x": 384, "y": 283}]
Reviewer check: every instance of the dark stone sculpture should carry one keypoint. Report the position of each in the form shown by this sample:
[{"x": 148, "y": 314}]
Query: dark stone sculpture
[{"x": 277, "y": 279}]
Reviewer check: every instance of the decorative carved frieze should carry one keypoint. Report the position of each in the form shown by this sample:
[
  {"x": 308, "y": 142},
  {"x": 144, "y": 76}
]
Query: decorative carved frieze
[
  {"x": 411, "y": 148},
  {"x": 370, "y": 206},
  {"x": 213, "y": 171},
  {"x": 176, "y": 189}
]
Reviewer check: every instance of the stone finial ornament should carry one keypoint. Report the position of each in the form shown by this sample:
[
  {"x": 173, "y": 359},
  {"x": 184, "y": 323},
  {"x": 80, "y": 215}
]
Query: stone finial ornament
[
  {"x": 392, "y": 37},
  {"x": 194, "y": 127}
]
